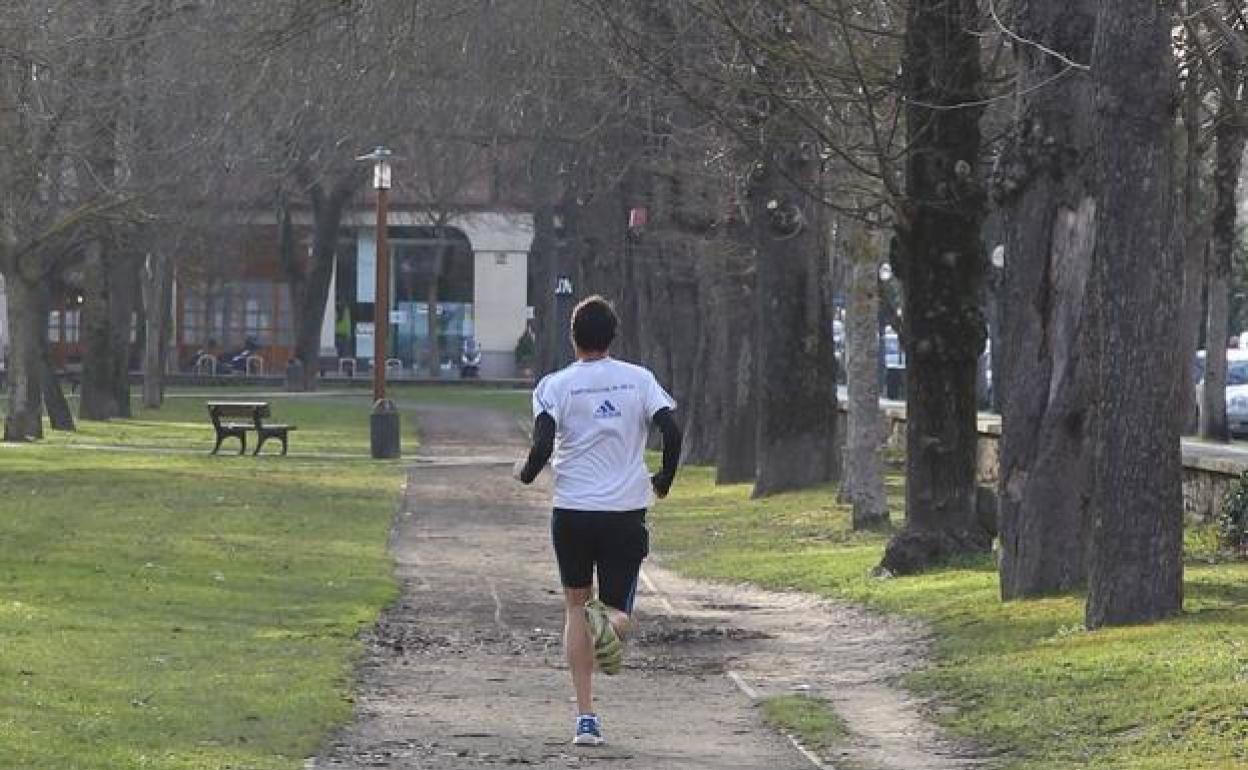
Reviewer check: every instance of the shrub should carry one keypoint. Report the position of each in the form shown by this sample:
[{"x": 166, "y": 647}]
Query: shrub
[
  {"x": 1232, "y": 520},
  {"x": 526, "y": 350}
]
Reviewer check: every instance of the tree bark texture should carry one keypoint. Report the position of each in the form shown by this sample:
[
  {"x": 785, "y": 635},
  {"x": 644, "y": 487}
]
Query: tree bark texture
[
  {"x": 863, "y": 486},
  {"x": 705, "y": 405},
  {"x": 796, "y": 362},
  {"x": 1228, "y": 159},
  {"x": 60, "y": 416},
  {"x": 27, "y": 317},
  {"x": 157, "y": 288},
  {"x": 736, "y": 457},
  {"x": 541, "y": 288},
  {"x": 940, "y": 263},
  {"x": 110, "y": 280},
  {"x": 1136, "y": 567},
  {"x": 1195, "y": 228},
  {"x": 1049, "y": 198},
  {"x": 310, "y": 278}
]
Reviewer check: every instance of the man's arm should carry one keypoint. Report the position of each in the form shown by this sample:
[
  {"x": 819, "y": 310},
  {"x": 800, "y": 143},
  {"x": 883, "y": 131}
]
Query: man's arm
[
  {"x": 543, "y": 447},
  {"x": 672, "y": 440}
]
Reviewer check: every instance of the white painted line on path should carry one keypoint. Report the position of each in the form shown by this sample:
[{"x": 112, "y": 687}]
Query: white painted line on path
[
  {"x": 810, "y": 755},
  {"x": 755, "y": 697},
  {"x": 659, "y": 595},
  {"x": 743, "y": 685}
]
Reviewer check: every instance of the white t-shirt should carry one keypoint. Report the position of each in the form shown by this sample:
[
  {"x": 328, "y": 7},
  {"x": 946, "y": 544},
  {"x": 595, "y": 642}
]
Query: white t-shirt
[{"x": 602, "y": 411}]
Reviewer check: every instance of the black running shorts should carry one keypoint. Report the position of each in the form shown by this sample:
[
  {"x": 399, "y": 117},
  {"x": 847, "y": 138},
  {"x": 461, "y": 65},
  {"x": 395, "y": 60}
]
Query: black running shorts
[{"x": 615, "y": 542}]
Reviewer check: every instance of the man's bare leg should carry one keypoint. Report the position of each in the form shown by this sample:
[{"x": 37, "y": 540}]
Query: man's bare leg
[
  {"x": 579, "y": 647},
  {"x": 619, "y": 620}
]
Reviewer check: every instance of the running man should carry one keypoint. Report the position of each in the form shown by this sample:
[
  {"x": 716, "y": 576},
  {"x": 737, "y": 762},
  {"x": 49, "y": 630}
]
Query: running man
[{"x": 600, "y": 411}]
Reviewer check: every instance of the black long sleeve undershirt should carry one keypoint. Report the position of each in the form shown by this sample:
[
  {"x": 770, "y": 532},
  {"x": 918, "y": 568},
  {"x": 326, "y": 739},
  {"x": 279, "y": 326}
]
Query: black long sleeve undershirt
[
  {"x": 544, "y": 430},
  {"x": 672, "y": 441},
  {"x": 543, "y": 447}
]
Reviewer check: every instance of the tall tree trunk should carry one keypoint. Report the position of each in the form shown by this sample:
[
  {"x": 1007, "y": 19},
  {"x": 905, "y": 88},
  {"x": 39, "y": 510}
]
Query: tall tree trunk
[
  {"x": 1136, "y": 570},
  {"x": 97, "y": 399},
  {"x": 941, "y": 265},
  {"x": 1228, "y": 158},
  {"x": 1049, "y": 199},
  {"x": 110, "y": 276},
  {"x": 310, "y": 279},
  {"x": 1213, "y": 423},
  {"x": 28, "y": 326},
  {"x": 863, "y": 487},
  {"x": 796, "y": 363},
  {"x": 123, "y": 303},
  {"x": 60, "y": 416},
  {"x": 156, "y": 289},
  {"x": 736, "y": 342},
  {"x": 541, "y": 288},
  {"x": 705, "y": 406},
  {"x": 1194, "y": 222}
]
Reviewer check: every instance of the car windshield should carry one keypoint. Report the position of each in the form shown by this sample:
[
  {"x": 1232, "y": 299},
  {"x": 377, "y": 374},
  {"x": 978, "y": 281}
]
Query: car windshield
[{"x": 1236, "y": 371}]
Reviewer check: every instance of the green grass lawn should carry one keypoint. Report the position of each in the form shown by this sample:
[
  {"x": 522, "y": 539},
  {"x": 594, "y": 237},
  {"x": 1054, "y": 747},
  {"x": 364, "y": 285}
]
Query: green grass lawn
[
  {"x": 335, "y": 423},
  {"x": 173, "y": 610},
  {"x": 1025, "y": 676}
]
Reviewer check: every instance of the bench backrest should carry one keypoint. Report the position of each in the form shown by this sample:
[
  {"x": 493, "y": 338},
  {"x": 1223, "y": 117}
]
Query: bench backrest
[{"x": 252, "y": 412}]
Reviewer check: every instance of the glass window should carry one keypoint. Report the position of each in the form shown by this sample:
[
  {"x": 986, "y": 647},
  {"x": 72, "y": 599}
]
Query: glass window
[
  {"x": 230, "y": 314},
  {"x": 1237, "y": 373},
  {"x": 193, "y": 319},
  {"x": 73, "y": 321},
  {"x": 54, "y": 326}
]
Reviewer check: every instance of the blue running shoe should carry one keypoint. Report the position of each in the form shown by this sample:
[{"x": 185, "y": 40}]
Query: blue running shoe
[{"x": 588, "y": 731}]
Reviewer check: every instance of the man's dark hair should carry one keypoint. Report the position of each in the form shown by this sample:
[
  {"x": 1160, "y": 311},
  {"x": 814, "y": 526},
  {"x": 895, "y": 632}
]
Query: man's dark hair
[{"x": 593, "y": 324}]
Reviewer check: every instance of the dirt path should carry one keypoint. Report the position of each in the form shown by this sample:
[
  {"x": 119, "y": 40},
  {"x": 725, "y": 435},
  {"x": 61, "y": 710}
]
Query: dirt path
[{"x": 467, "y": 671}]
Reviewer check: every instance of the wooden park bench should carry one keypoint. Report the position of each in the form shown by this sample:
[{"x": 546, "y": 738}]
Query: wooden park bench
[{"x": 235, "y": 418}]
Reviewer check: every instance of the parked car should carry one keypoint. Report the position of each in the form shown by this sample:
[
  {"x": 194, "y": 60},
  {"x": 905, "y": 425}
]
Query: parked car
[
  {"x": 1236, "y": 388},
  {"x": 1237, "y": 409}
]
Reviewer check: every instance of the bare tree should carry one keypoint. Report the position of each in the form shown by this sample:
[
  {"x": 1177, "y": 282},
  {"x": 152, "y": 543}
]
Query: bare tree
[
  {"x": 863, "y": 486},
  {"x": 1230, "y": 130},
  {"x": 1048, "y": 190},
  {"x": 1192, "y": 212},
  {"x": 1136, "y": 569},
  {"x": 939, "y": 260}
]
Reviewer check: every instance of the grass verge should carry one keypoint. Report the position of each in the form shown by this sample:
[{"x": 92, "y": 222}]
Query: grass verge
[
  {"x": 811, "y": 720},
  {"x": 162, "y": 608},
  {"x": 1025, "y": 677}
]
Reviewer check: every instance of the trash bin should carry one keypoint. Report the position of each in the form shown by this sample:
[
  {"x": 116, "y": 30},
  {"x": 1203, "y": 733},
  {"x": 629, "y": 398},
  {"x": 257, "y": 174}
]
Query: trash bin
[
  {"x": 383, "y": 426},
  {"x": 294, "y": 375}
]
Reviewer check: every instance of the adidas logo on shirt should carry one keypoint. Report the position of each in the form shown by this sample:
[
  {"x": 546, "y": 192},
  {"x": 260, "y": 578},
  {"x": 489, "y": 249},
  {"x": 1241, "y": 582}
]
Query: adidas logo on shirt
[{"x": 607, "y": 411}]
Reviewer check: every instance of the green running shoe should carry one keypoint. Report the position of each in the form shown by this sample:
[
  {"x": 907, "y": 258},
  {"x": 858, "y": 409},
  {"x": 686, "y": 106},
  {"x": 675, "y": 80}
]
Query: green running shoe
[{"x": 608, "y": 649}]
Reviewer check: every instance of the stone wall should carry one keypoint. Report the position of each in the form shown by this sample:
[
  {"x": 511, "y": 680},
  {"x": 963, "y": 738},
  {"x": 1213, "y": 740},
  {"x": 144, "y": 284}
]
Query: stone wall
[{"x": 1209, "y": 471}]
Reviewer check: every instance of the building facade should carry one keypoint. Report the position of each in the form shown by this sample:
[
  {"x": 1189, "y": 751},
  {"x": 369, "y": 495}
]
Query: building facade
[{"x": 470, "y": 274}]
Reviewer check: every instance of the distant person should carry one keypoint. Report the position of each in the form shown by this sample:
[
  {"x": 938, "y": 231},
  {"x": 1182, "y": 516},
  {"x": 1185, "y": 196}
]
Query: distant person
[{"x": 600, "y": 411}]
